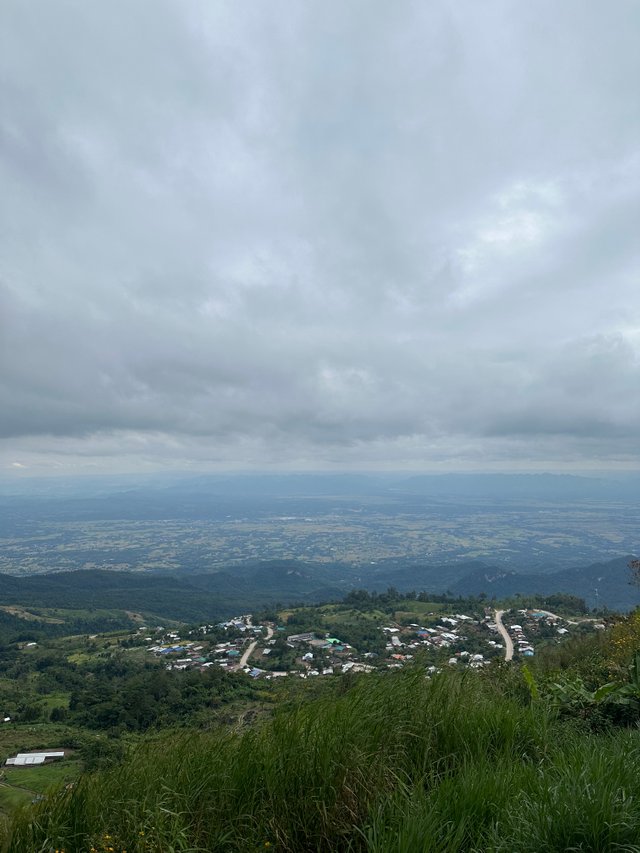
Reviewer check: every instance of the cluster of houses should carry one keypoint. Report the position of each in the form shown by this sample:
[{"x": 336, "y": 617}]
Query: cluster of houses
[
  {"x": 473, "y": 643},
  {"x": 202, "y": 653},
  {"x": 404, "y": 642},
  {"x": 180, "y": 654},
  {"x": 531, "y": 621},
  {"x": 335, "y": 656},
  {"x": 318, "y": 655},
  {"x": 457, "y": 630},
  {"x": 520, "y": 642}
]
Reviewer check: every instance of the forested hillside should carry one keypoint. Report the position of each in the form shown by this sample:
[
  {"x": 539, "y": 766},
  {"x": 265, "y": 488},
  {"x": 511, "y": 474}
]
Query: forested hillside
[{"x": 535, "y": 757}]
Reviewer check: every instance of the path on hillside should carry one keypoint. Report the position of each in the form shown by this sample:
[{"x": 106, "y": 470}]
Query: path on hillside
[
  {"x": 249, "y": 651},
  {"x": 508, "y": 643}
]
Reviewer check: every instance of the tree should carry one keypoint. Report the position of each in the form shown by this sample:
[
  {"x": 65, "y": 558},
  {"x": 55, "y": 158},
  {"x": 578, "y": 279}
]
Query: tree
[{"x": 58, "y": 714}]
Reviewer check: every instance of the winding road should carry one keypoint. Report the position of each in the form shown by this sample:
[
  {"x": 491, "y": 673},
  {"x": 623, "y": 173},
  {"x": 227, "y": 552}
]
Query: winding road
[
  {"x": 249, "y": 650},
  {"x": 508, "y": 643}
]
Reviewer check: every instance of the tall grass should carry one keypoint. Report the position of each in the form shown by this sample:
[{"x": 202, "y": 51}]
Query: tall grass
[
  {"x": 587, "y": 799},
  {"x": 398, "y": 764}
]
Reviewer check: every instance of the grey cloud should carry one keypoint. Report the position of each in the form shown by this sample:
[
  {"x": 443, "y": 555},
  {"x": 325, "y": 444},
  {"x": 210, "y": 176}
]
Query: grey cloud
[{"x": 316, "y": 235}]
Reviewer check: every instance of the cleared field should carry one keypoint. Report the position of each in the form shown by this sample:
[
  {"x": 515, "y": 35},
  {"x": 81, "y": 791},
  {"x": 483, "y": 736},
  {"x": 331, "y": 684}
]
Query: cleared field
[
  {"x": 39, "y": 779},
  {"x": 28, "y": 615},
  {"x": 22, "y": 785},
  {"x": 421, "y": 607},
  {"x": 336, "y": 615},
  {"x": 11, "y": 798},
  {"x": 36, "y": 736}
]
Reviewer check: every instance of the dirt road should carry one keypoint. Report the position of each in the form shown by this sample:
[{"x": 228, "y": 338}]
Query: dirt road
[
  {"x": 249, "y": 650},
  {"x": 508, "y": 643}
]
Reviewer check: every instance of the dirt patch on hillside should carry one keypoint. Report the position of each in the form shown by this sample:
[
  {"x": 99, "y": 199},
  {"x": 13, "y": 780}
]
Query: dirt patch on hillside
[{"x": 21, "y": 613}]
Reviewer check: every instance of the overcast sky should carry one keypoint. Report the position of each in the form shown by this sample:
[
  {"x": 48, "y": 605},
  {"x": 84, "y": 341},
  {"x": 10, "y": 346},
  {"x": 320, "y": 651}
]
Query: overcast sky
[{"x": 362, "y": 234}]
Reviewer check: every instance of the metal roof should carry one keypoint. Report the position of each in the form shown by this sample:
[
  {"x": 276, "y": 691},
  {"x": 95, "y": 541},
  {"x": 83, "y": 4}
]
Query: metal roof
[{"x": 23, "y": 759}]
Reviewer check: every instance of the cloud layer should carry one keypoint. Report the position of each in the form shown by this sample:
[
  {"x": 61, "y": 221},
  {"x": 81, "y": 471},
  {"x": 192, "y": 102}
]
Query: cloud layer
[{"x": 319, "y": 235}]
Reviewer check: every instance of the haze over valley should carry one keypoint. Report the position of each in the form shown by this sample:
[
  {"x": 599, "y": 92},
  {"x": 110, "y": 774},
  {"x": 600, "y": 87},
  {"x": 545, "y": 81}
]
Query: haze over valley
[{"x": 331, "y": 533}]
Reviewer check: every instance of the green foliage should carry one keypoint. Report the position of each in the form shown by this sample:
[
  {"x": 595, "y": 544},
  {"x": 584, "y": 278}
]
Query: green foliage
[
  {"x": 102, "y": 686},
  {"x": 530, "y": 682},
  {"x": 583, "y": 654},
  {"x": 313, "y": 778},
  {"x": 100, "y": 752},
  {"x": 134, "y": 699},
  {"x": 14, "y": 629},
  {"x": 558, "y": 602},
  {"x": 352, "y": 625},
  {"x": 612, "y": 703},
  {"x": 282, "y": 657},
  {"x": 391, "y": 763},
  {"x": 544, "y": 756}
]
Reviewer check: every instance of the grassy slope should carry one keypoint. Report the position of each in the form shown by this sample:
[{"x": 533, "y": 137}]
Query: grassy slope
[
  {"x": 396, "y": 764},
  {"x": 21, "y": 785}
]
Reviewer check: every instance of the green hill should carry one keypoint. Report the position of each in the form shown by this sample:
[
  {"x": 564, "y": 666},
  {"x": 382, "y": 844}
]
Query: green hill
[{"x": 500, "y": 760}]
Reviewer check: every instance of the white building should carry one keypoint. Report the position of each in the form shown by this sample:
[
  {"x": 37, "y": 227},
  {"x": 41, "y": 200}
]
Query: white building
[{"x": 28, "y": 759}]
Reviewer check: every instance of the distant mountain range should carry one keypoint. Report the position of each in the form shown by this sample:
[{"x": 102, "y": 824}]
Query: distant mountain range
[
  {"x": 605, "y": 584},
  {"x": 164, "y": 489},
  {"x": 600, "y": 584},
  {"x": 213, "y": 595}
]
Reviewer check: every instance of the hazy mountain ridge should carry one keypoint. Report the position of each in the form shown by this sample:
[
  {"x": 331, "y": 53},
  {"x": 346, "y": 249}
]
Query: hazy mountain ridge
[
  {"x": 134, "y": 487},
  {"x": 213, "y": 595},
  {"x": 600, "y": 584}
]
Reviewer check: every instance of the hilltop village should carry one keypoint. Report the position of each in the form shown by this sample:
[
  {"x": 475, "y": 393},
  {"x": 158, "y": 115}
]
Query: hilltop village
[{"x": 267, "y": 650}]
